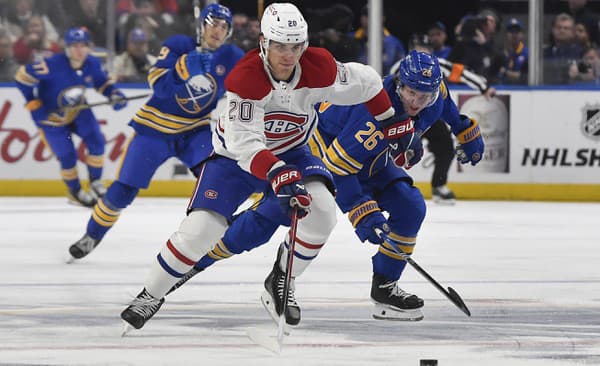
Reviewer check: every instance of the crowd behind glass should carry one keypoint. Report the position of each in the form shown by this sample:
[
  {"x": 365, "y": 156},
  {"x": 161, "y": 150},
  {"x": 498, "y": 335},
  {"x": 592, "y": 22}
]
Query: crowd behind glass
[{"x": 487, "y": 43}]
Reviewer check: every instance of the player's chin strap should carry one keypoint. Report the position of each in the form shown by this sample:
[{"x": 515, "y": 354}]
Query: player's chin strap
[{"x": 452, "y": 295}]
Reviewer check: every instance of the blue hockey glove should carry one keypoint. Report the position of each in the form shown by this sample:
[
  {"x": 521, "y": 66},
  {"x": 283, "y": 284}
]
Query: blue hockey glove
[
  {"x": 404, "y": 146},
  {"x": 367, "y": 219},
  {"x": 471, "y": 146},
  {"x": 118, "y": 100},
  {"x": 192, "y": 64},
  {"x": 288, "y": 186}
]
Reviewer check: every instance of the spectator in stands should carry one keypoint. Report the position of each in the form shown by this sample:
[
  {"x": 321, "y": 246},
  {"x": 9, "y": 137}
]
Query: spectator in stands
[
  {"x": 471, "y": 48},
  {"x": 34, "y": 45},
  {"x": 147, "y": 17},
  {"x": 8, "y": 66},
  {"x": 165, "y": 7},
  {"x": 331, "y": 29},
  {"x": 582, "y": 35},
  {"x": 250, "y": 35},
  {"x": 587, "y": 70},
  {"x": 438, "y": 37},
  {"x": 581, "y": 13},
  {"x": 562, "y": 50},
  {"x": 133, "y": 64},
  {"x": 392, "y": 48},
  {"x": 90, "y": 15},
  {"x": 19, "y": 15},
  {"x": 516, "y": 55}
]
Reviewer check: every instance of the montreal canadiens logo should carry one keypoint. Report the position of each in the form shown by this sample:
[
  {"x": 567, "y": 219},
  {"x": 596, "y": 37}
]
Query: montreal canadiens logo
[
  {"x": 282, "y": 125},
  {"x": 210, "y": 194},
  {"x": 590, "y": 124}
]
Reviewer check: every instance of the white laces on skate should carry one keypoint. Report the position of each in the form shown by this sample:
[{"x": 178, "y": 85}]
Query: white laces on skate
[
  {"x": 291, "y": 300},
  {"x": 145, "y": 305},
  {"x": 395, "y": 290}
]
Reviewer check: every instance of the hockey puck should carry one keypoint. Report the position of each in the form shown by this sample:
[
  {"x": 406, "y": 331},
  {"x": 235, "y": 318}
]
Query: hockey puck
[{"x": 428, "y": 363}]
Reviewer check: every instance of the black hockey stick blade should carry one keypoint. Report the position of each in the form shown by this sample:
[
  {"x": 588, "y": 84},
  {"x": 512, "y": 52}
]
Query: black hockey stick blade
[{"x": 458, "y": 301}]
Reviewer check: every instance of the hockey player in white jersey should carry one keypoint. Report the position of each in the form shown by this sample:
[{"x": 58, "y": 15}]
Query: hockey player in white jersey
[{"x": 261, "y": 146}]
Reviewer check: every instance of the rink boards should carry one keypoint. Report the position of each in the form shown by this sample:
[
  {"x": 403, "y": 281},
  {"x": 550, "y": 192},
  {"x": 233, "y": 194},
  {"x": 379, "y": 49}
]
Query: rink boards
[{"x": 541, "y": 144}]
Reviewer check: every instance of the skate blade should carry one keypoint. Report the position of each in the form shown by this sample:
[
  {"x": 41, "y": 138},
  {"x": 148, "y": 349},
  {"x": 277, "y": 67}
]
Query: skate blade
[
  {"x": 264, "y": 340},
  {"x": 69, "y": 259},
  {"x": 126, "y": 328},
  {"x": 444, "y": 202},
  {"x": 387, "y": 312},
  {"x": 267, "y": 302}
]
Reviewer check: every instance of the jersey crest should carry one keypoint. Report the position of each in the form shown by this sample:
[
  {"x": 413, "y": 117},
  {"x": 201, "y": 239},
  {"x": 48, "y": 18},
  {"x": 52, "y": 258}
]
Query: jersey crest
[
  {"x": 282, "y": 125},
  {"x": 199, "y": 92}
]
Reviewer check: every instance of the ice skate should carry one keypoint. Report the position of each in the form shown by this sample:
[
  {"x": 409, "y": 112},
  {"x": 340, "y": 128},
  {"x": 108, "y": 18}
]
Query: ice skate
[
  {"x": 97, "y": 189},
  {"x": 443, "y": 195},
  {"x": 392, "y": 303},
  {"x": 191, "y": 273},
  {"x": 82, "y": 247},
  {"x": 82, "y": 198},
  {"x": 141, "y": 309},
  {"x": 272, "y": 297}
]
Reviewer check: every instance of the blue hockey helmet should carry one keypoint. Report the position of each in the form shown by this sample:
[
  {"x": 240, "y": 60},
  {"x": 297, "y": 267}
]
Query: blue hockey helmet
[
  {"x": 217, "y": 11},
  {"x": 420, "y": 71},
  {"x": 77, "y": 35}
]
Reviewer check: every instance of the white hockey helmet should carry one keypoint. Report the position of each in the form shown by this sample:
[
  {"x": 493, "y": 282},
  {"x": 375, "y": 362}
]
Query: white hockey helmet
[{"x": 283, "y": 23}]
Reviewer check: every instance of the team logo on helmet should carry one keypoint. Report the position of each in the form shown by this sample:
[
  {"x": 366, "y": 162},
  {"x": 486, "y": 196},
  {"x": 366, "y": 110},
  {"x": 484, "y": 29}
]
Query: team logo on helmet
[
  {"x": 427, "y": 73},
  {"x": 590, "y": 123}
]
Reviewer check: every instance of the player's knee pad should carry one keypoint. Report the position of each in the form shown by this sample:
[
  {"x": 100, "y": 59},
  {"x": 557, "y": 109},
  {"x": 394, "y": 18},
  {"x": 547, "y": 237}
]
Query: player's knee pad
[
  {"x": 248, "y": 231},
  {"x": 68, "y": 160},
  {"x": 95, "y": 143},
  {"x": 120, "y": 195},
  {"x": 198, "y": 233},
  {"x": 406, "y": 207},
  {"x": 318, "y": 225}
]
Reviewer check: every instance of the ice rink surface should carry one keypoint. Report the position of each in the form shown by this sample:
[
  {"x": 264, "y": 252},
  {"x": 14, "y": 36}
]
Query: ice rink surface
[{"x": 529, "y": 272}]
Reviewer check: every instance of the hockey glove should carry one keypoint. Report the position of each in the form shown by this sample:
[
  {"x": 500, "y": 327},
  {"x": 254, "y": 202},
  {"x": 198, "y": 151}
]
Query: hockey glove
[
  {"x": 192, "y": 64},
  {"x": 366, "y": 219},
  {"x": 118, "y": 100},
  {"x": 404, "y": 146},
  {"x": 288, "y": 186},
  {"x": 471, "y": 146}
]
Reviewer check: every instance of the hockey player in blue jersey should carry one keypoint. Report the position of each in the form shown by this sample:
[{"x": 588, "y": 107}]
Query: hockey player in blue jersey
[
  {"x": 187, "y": 83},
  {"x": 353, "y": 148},
  {"x": 54, "y": 91}
]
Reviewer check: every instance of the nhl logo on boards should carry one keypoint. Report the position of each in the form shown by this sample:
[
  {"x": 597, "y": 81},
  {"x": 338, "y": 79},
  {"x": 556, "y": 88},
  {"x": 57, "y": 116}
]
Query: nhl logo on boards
[
  {"x": 590, "y": 123},
  {"x": 427, "y": 73}
]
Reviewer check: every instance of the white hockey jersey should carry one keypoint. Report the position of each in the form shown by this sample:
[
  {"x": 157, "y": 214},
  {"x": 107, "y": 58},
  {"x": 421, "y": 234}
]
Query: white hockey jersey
[{"x": 265, "y": 117}]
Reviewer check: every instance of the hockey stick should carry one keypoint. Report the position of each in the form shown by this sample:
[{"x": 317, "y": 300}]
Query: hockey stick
[
  {"x": 288, "y": 274},
  {"x": 197, "y": 24},
  {"x": 452, "y": 295},
  {"x": 91, "y": 105},
  {"x": 260, "y": 337}
]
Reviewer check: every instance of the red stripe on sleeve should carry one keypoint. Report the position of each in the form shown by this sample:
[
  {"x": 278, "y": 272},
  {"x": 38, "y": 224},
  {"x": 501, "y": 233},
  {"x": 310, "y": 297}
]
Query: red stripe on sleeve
[
  {"x": 262, "y": 162},
  {"x": 379, "y": 104}
]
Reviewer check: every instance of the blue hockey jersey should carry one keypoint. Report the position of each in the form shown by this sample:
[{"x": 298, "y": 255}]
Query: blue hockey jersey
[
  {"x": 176, "y": 107},
  {"x": 353, "y": 147},
  {"x": 53, "y": 84}
]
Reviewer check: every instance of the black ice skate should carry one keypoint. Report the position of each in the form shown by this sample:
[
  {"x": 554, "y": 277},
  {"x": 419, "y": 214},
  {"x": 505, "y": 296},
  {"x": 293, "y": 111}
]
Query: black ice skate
[
  {"x": 191, "y": 273},
  {"x": 97, "y": 189},
  {"x": 82, "y": 198},
  {"x": 392, "y": 303},
  {"x": 443, "y": 195},
  {"x": 82, "y": 247},
  {"x": 272, "y": 297},
  {"x": 141, "y": 309}
]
